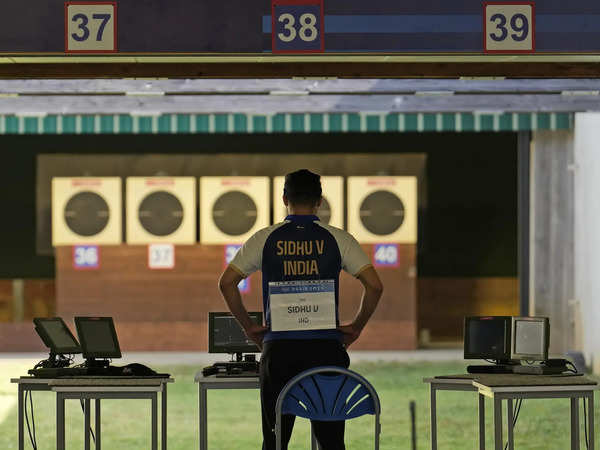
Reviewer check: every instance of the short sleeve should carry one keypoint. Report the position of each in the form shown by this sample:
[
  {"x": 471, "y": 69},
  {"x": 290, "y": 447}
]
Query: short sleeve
[
  {"x": 248, "y": 259},
  {"x": 354, "y": 258}
]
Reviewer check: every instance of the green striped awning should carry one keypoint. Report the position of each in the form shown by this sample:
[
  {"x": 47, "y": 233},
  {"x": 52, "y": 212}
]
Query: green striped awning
[{"x": 283, "y": 123}]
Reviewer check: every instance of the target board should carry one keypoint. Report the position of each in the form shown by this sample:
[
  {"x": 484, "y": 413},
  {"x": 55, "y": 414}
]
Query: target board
[
  {"x": 232, "y": 208},
  {"x": 383, "y": 209},
  {"x": 161, "y": 210},
  {"x": 331, "y": 210},
  {"x": 86, "y": 210}
]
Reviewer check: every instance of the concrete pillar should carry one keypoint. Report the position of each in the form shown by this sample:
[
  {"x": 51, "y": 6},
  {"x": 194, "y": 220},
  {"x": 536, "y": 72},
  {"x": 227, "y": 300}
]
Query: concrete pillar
[
  {"x": 18, "y": 300},
  {"x": 587, "y": 230},
  {"x": 551, "y": 235}
]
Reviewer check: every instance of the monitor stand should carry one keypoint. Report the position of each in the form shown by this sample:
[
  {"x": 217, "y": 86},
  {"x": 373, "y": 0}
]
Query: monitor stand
[
  {"x": 97, "y": 363},
  {"x": 55, "y": 360},
  {"x": 499, "y": 366},
  {"x": 238, "y": 363},
  {"x": 239, "y": 357}
]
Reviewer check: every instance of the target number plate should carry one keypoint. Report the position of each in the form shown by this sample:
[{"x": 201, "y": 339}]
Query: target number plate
[
  {"x": 297, "y": 26},
  {"x": 385, "y": 255},
  {"x": 86, "y": 257},
  {"x": 90, "y": 27},
  {"x": 509, "y": 27},
  {"x": 230, "y": 252},
  {"x": 161, "y": 256}
]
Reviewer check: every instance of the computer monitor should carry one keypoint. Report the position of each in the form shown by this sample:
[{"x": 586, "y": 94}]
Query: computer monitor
[
  {"x": 98, "y": 337},
  {"x": 225, "y": 335},
  {"x": 488, "y": 338},
  {"x": 530, "y": 338},
  {"x": 56, "y": 335}
]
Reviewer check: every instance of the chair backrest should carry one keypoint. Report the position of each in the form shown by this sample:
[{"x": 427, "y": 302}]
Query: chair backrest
[{"x": 328, "y": 393}]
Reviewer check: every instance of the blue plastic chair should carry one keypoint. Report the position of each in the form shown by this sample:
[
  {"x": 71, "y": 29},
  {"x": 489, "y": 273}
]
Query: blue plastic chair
[{"x": 327, "y": 393}]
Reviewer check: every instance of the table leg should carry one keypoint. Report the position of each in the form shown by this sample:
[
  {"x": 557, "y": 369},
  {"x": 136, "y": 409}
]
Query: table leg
[
  {"x": 433, "y": 419},
  {"x": 202, "y": 417},
  {"x": 163, "y": 417},
  {"x": 575, "y": 423},
  {"x": 497, "y": 423},
  {"x": 154, "y": 422},
  {"x": 591, "y": 419},
  {"x": 481, "y": 422},
  {"x": 314, "y": 445},
  {"x": 509, "y": 420},
  {"x": 21, "y": 419},
  {"x": 86, "y": 424},
  {"x": 97, "y": 426},
  {"x": 60, "y": 422}
]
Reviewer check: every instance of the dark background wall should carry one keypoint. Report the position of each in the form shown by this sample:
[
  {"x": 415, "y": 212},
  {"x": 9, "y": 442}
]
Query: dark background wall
[{"x": 469, "y": 228}]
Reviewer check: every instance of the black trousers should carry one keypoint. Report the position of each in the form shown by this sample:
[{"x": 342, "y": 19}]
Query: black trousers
[{"x": 281, "y": 361}]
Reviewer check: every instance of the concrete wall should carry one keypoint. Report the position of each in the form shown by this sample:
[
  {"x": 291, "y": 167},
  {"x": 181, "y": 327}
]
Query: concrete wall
[
  {"x": 551, "y": 236},
  {"x": 587, "y": 230}
]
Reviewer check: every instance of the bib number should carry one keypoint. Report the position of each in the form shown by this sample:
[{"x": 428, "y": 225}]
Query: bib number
[{"x": 302, "y": 305}]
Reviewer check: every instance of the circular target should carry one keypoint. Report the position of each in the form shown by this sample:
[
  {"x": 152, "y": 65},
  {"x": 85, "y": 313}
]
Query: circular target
[
  {"x": 86, "y": 213},
  {"x": 160, "y": 213},
  {"x": 234, "y": 213},
  {"x": 325, "y": 211},
  {"x": 382, "y": 213}
]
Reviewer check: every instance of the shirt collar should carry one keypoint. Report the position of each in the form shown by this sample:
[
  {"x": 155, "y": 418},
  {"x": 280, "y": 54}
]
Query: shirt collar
[{"x": 302, "y": 218}]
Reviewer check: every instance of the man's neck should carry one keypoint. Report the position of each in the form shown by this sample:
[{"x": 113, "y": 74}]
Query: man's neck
[{"x": 301, "y": 211}]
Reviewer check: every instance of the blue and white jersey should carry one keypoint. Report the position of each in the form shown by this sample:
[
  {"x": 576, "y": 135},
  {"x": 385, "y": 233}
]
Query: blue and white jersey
[{"x": 300, "y": 251}]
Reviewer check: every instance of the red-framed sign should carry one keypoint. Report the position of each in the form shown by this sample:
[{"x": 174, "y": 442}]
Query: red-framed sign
[{"x": 297, "y": 26}]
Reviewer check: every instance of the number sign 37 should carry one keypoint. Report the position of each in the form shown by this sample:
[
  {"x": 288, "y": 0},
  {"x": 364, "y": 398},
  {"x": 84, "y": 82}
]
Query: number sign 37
[
  {"x": 509, "y": 27},
  {"x": 90, "y": 27},
  {"x": 297, "y": 26}
]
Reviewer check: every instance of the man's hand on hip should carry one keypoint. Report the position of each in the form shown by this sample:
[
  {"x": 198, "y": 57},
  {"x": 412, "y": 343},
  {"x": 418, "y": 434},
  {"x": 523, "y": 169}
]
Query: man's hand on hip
[
  {"x": 256, "y": 333},
  {"x": 350, "y": 334}
]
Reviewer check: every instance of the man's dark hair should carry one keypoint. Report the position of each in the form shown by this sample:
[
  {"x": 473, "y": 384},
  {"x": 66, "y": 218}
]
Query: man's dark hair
[{"x": 303, "y": 187}]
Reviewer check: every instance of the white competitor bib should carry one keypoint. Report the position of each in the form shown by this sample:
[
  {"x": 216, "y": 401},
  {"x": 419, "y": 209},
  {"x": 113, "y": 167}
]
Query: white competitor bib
[{"x": 302, "y": 305}]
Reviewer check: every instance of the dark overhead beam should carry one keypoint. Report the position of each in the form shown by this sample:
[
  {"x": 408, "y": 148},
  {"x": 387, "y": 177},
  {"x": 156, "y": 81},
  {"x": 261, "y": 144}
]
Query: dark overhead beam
[{"x": 302, "y": 69}]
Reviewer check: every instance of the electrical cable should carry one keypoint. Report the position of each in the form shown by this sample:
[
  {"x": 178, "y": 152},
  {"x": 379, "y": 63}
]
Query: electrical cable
[
  {"x": 91, "y": 431},
  {"x": 516, "y": 411},
  {"x": 31, "y": 436},
  {"x": 32, "y": 417}
]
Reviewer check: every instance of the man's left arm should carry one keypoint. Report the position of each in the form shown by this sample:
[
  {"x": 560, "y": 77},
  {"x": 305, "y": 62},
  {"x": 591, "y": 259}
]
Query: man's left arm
[
  {"x": 228, "y": 285},
  {"x": 372, "y": 290}
]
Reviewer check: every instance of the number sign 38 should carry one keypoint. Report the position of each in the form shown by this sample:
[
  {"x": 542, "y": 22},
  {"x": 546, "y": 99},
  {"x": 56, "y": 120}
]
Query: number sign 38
[
  {"x": 297, "y": 26},
  {"x": 509, "y": 27},
  {"x": 90, "y": 27}
]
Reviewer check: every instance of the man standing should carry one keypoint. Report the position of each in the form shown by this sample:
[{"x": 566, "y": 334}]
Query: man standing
[{"x": 300, "y": 259}]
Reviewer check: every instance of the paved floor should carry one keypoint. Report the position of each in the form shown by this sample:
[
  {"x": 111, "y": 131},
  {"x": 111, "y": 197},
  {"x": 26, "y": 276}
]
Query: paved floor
[{"x": 201, "y": 358}]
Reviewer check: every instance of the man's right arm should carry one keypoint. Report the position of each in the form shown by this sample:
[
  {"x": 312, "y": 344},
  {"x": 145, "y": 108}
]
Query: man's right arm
[
  {"x": 372, "y": 290},
  {"x": 228, "y": 284}
]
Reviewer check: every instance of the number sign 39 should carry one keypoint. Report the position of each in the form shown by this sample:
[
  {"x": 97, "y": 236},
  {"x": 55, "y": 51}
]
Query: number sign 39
[
  {"x": 509, "y": 27},
  {"x": 90, "y": 27},
  {"x": 297, "y": 26}
]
